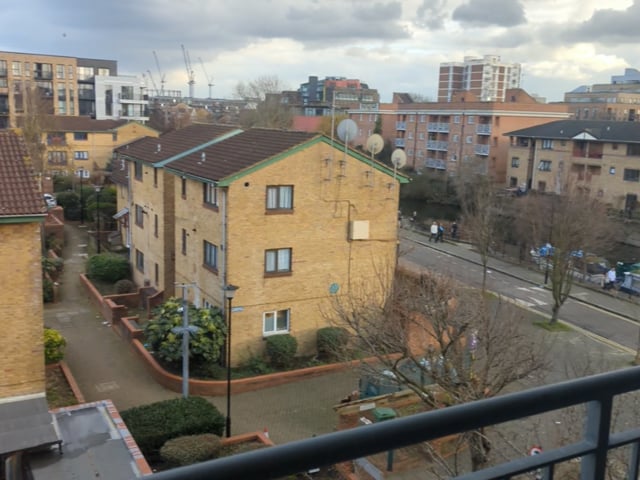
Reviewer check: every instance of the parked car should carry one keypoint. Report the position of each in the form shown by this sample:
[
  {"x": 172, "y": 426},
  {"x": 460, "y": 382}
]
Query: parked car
[{"x": 50, "y": 200}]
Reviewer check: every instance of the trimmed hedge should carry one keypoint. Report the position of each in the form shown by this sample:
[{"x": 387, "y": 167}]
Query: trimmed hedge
[
  {"x": 153, "y": 424},
  {"x": 281, "y": 350},
  {"x": 331, "y": 341},
  {"x": 108, "y": 267},
  {"x": 54, "y": 344},
  {"x": 191, "y": 449}
]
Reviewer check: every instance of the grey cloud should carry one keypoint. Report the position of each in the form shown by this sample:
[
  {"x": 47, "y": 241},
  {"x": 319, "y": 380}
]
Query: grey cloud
[
  {"x": 503, "y": 13},
  {"x": 431, "y": 14},
  {"x": 608, "y": 26}
]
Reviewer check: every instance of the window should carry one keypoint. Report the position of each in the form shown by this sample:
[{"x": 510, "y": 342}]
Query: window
[
  {"x": 139, "y": 216},
  {"x": 60, "y": 72},
  {"x": 139, "y": 260},
  {"x": 631, "y": 175},
  {"x": 137, "y": 169},
  {"x": 471, "y": 120},
  {"x": 469, "y": 139},
  {"x": 57, "y": 158},
  {"x": 280, "y": 197},
  {"x": 16, "y": 69},
  {"x": 277, "y": 261},
  {"x": 184, "y": 242},
  {"x": 409, "y": 135},
  {"x": 545, "y": 165},
  {"x": 157, "y": 273},
  {"x": 155, "y": 225},
  {"x": 547, "y": 144},
  {"x": 81, "y": 155},
  {"x": 80, "y": 136},
  {"x": 456, "y": 119},
  {"x": 423, "y": 118},
  {"x": 275, "y": 322},
  {"x": 412, "y": 118},
  {"x": 420, "y": 136},
  {"x": 210, "y": 194},
  {"x": 614, "y": 146},
  {"x": 515, "y": 162},
  {"x": 633, "y": 149},
  {"x": 456, "y": 138},
  {"x": 542, "y": 186},
  {"x": 155, "y": 177},
  {"x": 183, "y": 188},
  {"x": 210, "y": 255}
]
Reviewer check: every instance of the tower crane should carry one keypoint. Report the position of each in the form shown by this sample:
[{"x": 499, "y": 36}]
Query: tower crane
[
  {"x": 190, "y": 73},
  {"x": 162, "y": 80},
  {"x": 209, "y": 79},
  {"x": 153, "y": 82}
]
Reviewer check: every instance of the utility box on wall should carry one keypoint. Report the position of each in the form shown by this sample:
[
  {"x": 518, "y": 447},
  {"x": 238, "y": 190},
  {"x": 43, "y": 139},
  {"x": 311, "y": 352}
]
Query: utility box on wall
[{"x": 359, "y": 230}]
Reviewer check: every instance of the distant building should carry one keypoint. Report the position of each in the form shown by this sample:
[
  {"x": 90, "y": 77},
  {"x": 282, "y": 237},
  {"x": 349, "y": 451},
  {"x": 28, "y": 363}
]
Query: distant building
[
  {"x": 487, "y": 78},
  {"x": 442, "y": 135},
  {"x": 318, "y": 97},
  {"x": 618, "y": 100}
]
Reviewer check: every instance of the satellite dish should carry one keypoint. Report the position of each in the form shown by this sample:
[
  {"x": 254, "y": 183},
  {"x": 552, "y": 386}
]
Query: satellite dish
[
  {"x": 347, "y": 130},
  {"x": 375, "y": 144},
  {"x": 398, "y": 158}
]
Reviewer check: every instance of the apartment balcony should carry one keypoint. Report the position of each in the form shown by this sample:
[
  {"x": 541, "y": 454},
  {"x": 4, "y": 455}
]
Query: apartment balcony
[
  {"x": 435, "y": 163},
  {"x": 439, "y": 145},
  {"x": 481, "y": 150},
  {"x": 401, "y": 126},
  {"x": 438, "y": 127},
  {"x": 400, "y": 142},
  {"x": 37, "y": 75},
  {"x": 483, "y": 129},
  {"x": 589, "y": 453}
]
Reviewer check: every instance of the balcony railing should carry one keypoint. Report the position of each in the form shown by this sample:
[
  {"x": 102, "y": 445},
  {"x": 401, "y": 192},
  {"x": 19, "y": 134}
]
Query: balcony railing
[
  {"x": 483, "y": 129},
  {"x": 437, "y": 145},
  {"x": 438, "y": 127},
  {"x": 400, "y": 142},
  {"x": 435, "y": 163},
  {"x": 401, "y": 125},
  {"x": 596, "y": 393},
  {"x": 481, "y": 149}
]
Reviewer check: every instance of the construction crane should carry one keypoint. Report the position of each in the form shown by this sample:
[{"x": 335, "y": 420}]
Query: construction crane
[
  {"x": 153, "y": 82},
  {"x": 209, "y": 79},
  {"x": 161, "y": 91},
  {"x": 190, "y": 73}
]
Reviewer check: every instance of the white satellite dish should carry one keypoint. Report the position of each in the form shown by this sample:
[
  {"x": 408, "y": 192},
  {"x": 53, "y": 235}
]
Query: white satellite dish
[
  {"x": 347, "y": 130},
  {"x": 398, "y": 158},
  {"x": 374, "y": 144}
]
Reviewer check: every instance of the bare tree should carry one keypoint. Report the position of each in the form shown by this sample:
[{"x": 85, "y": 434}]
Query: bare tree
[
  {"x": 430, "y": 330},
  {"x": 574, "y": 224},
  {"x": 36, "y": 121},
  {"x": 264, "y": 103}
]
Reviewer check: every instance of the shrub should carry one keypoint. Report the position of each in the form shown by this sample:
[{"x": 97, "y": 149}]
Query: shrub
[
  {"x": 153, "y": 424},
  {"x": 47, "y": 290},
  {"x": 62, "y": 183},
  {"x": 124, "y": 286},
  {"x": 54, "y": 344},
  {"x": 257, "y": 365},
  {"x": 52, "y": 266},
  {"x": 331, "y": 342},
  {"x": 70, "y": 202},
  {"x": 191, "y": 449},
  {"x": 281, "y": 350},
  {"x": 108, "y": 267}
]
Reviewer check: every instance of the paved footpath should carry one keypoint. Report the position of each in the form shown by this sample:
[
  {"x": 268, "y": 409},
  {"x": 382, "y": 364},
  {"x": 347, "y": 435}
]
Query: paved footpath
[{"x": 105, "y": 367}]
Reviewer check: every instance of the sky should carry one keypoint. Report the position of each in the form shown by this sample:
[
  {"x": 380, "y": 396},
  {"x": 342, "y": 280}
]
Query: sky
[{"x": 391, "y": 45}]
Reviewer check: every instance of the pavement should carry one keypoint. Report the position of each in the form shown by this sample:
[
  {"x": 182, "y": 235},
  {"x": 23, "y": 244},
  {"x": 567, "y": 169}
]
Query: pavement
[{"x": 106, "y": 368}]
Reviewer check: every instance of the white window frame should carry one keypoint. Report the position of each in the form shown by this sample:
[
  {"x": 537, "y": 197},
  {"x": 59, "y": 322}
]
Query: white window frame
[
  {"x": 211, "y": 194},
  {"x": 544, "y": 165},
  {"x": 273, "y": 317},
  {"x": 81, "y": 155}
]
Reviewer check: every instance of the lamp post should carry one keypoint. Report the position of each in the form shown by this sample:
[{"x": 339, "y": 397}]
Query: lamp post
[
  {"x": 229, "y": 293},
  {"x": 81, "y": 172},
  {"x": 185, "y": 330},
  {"x": 98, "y": 188}
]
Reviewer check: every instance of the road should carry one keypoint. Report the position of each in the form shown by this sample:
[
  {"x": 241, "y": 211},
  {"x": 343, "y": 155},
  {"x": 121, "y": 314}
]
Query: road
[{"x": 590, "y": 309}]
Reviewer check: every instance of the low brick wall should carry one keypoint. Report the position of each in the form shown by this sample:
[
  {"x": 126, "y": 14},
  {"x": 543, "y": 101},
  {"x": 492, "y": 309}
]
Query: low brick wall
[
  {"x": 94, "y": 294},
  {"x": 71, "y": 381}
]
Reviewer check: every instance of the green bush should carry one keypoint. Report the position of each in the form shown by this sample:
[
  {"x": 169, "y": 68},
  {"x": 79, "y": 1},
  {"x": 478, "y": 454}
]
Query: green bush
[
  {"x": 281, "y": 350},
  {"x": 191, "y": 449},
  {"x": 153, "y": 424},
  {"x": 70, "y": 202},
  {"x": 54, "y": 344},
  {"x": 124, "y": 286},
  {"x": 47, "y": 290},
  {"x": 108, "y": 267},
  {"x": 257, "y": 365},
  {"x": 331, "y": 342},
  {"x": 62, "y": 183}
]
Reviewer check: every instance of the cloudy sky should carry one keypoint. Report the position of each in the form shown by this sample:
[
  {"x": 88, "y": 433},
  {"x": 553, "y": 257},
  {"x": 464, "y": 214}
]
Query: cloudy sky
[{"x": 393, "y": 45}]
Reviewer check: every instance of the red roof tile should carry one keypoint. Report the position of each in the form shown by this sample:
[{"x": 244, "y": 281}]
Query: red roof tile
[{"x": 19, "y": 193}]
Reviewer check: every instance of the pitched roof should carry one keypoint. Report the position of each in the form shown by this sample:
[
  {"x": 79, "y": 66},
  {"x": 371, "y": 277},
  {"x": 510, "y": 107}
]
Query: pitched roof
[
  {"x": 165, "y": 147},
  {"x": 63, "y": 123},
  {"x": 605, "y": 131},
  {"x": 238, "y": 152},
  {"x": 19, "y": 193}
]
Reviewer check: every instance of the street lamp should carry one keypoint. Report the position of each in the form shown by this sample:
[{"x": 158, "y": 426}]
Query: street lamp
[
  {"x": 81, "y": 172},
  {"x": 186, "y": 331},
  {"x": 98, "y": 188},
  {"x": 229, "y": 293}
]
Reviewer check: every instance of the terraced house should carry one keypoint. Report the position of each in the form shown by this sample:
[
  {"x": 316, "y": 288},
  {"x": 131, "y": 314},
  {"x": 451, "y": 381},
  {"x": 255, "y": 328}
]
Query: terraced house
[
  {"x": 602, "y": 158},
  {"x": 289, "y": 217}
]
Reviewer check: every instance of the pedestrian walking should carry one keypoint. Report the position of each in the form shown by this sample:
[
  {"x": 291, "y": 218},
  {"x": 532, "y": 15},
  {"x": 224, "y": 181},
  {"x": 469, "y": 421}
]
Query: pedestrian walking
[
  {"x": 454, "y": 230},
  {"x": 610, "y": 280},
  {"x": 434, "y": 232},
  {"x": 440, "y": 235}
]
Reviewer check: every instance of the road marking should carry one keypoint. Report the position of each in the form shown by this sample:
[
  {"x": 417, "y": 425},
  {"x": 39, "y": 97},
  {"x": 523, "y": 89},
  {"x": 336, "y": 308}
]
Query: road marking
[
  {"x": 107, "y": 386},
  {"x": 523, "y": 303},
  {"x": 539, "y": 302},
  {"x": 581, "y": 294},
  {"x": 524, "y": 289},
  {"x": 539, "y": 289}
]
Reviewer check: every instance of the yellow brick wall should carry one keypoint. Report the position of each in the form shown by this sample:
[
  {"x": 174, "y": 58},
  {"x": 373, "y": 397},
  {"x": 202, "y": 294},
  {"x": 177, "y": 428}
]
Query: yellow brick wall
[
  {"x": 327, "y": 196},
  {"x": 21, "y": 342}
]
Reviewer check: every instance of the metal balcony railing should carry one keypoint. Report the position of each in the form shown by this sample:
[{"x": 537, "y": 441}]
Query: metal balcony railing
[
  {"x": 401, "y": 125},
  {"x": 438, "y": 127},
  {"x": 596, "y": 392},
  {"x": 437, "y": 145},
  {"x": 481, "y": 149},
  {"x": 483, "y": 129},
  {"x": 400, "y": 142}
]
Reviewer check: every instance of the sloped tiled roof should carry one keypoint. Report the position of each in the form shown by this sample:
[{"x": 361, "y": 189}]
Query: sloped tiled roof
[
  {"x": 62, "y": 123},
  {"x": 238, "y": 152},
  {"x": 19, "y": 193},
  {"x": 605, "y": 131},
  {"x": 155, "y": 150}
]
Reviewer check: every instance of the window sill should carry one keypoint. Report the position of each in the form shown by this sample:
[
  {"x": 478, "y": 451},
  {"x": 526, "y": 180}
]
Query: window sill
[
  {"x": 213, "y": 270},
  {"x": 279, "y": 211},
  {"x": 277, "y": 274},
  {"x": 266, "y": 335},
  {"x": 211, "y": 206}
]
